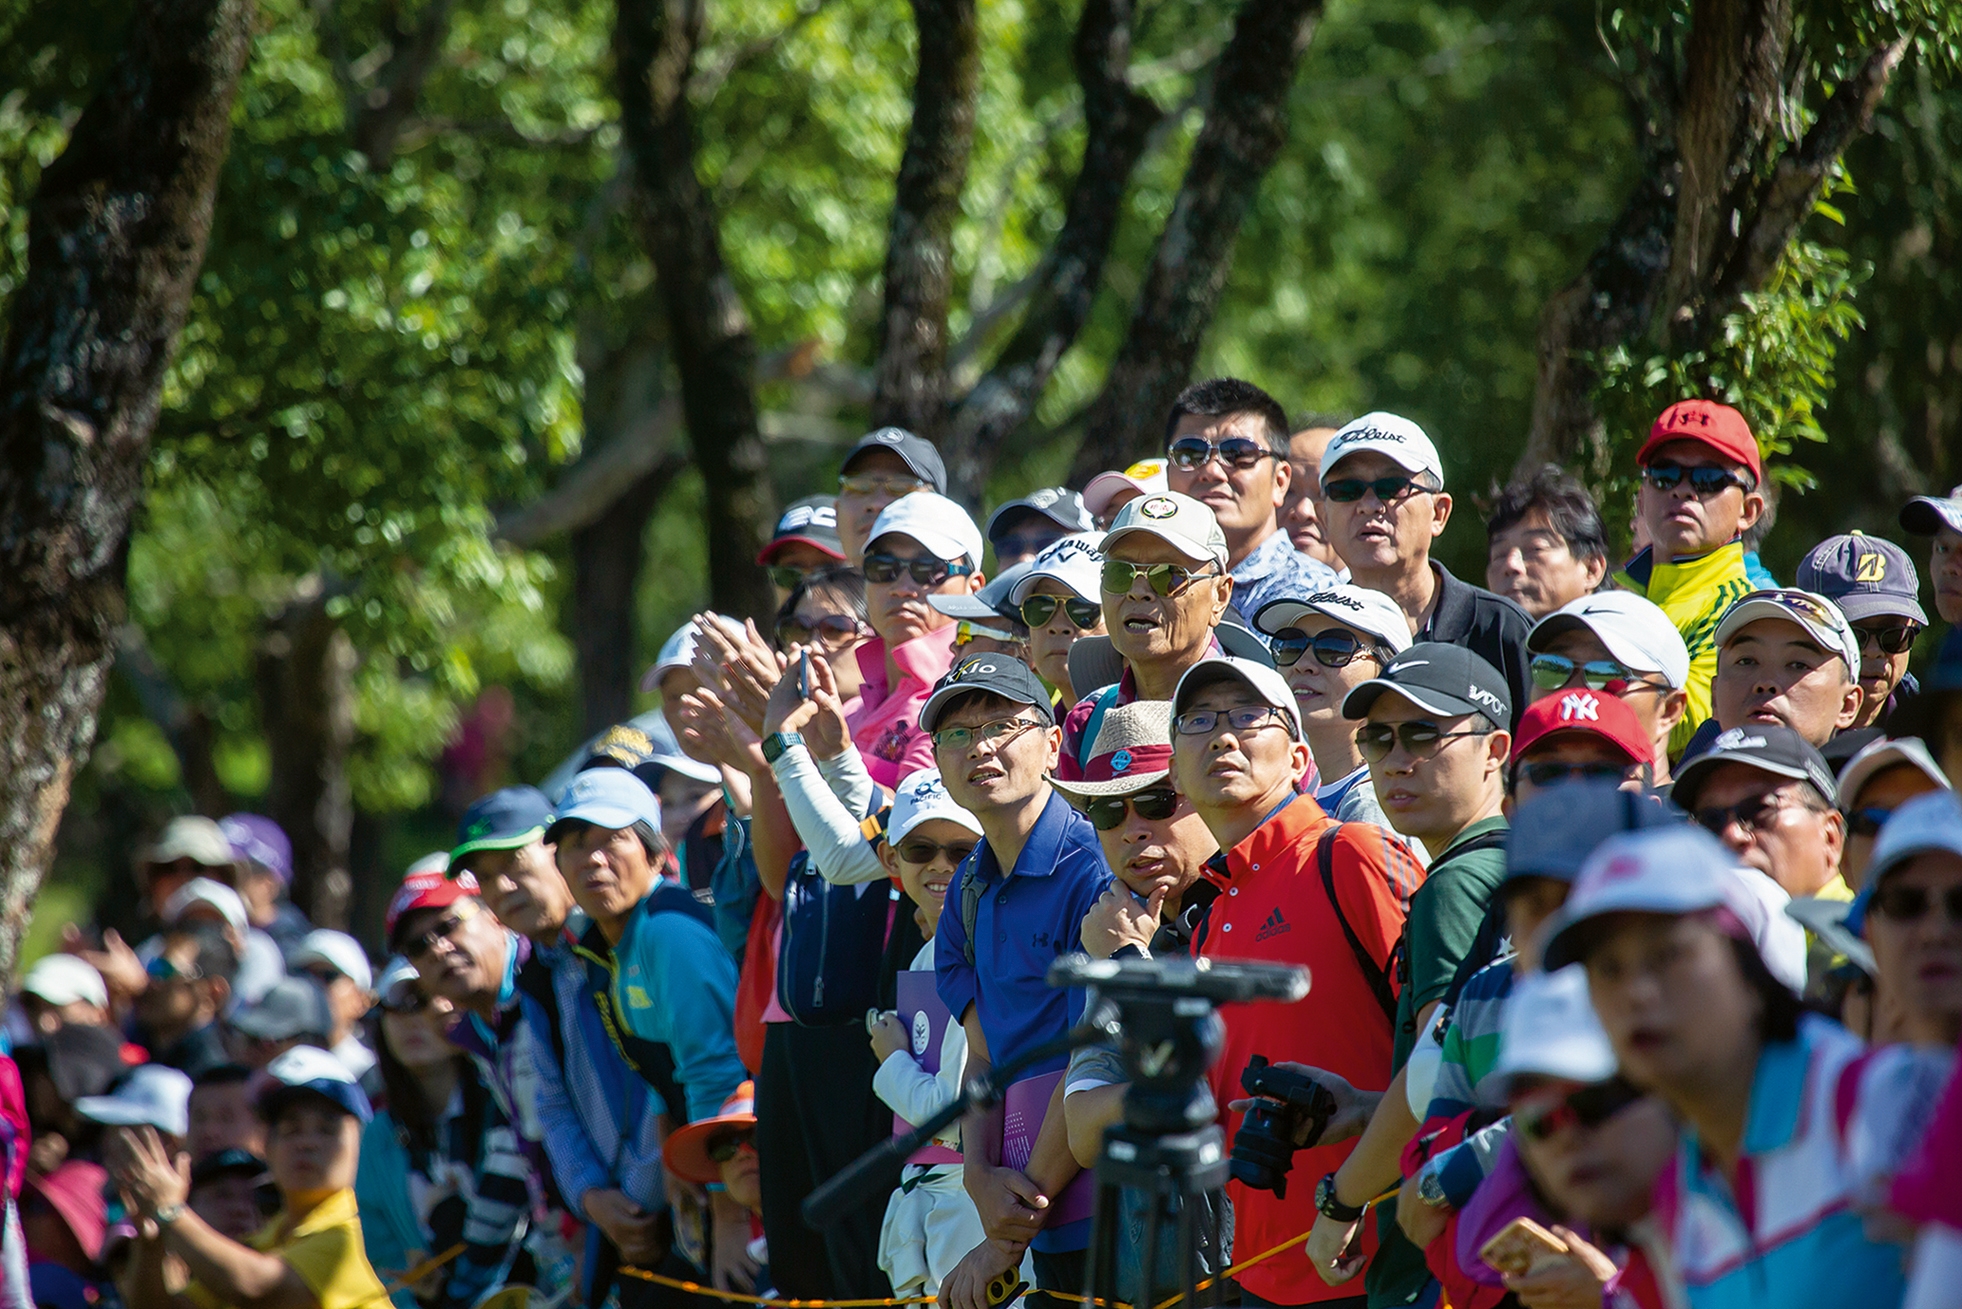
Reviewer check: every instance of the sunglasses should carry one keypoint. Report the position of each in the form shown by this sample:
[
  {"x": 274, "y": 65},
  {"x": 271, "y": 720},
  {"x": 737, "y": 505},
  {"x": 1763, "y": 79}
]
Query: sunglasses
[
  {"x": 723, "y": 1146},
  {"x": 1704, "y": 481},
  {"x": 161, "y": 969},
  {"x": 1164, "y": 579},
  {"x": 925, "y": 852},
  {"x": 1550, "y": 773},
  {"x": 1421, "y": 739},
  {"x": 444, "y": 930},
  {"x": 1155, "y": 805},
  {"x": 1348, "y": 490},
  {"x": 1552, "y": 671},
  {"x": 1001, "y": 732},
  {"x": 1749, "y": 815},
  {"x": 1333, "y": 648},
  {"x": 830, "y": 631},
  {"x": 1037, "y": 610},
  {"x": 892, "y": 484},
  {"x": 785, "y": 577},
  {"x": 1909, "y": 904},
  {"x": 1867, "y": 820},
  {"x": 1241, "y": 718},
  {"x": 1590, "y": 1106},
  {"x": 1190, "y": 452},
  {"x": 325, "y": 976},
  {"x": 1893, "y": 639},
  {"x": 883, "y": 568},
  {"x": 966, "y": 630}
]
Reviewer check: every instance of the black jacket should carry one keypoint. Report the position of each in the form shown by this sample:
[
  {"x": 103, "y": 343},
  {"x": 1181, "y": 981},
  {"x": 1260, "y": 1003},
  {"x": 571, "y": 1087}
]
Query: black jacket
[{"x": 1490, "y": 626}]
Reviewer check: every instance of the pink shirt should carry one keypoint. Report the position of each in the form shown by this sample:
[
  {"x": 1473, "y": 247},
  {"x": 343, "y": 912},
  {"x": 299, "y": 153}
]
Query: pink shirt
[{"x": 886, "y": 725}]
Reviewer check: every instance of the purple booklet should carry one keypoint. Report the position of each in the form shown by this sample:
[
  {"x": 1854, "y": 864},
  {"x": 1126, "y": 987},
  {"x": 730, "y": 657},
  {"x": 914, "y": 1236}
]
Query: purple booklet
[
  {"x": 1022, "y": 1111},
  {"x": 926, "y": 1019}
]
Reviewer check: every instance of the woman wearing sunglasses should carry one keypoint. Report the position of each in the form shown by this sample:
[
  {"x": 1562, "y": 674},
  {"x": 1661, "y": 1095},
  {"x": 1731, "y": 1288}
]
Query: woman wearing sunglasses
[
  {"x": 825, "y": 612},
  {"x": 1060, "y": 600},
  {"x": 1757, "y": 1207}
]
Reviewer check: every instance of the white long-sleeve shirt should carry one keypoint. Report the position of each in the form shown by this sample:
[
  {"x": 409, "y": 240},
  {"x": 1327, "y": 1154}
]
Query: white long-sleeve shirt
[
  {"x": 828, "y": 801},
  {"x": 915, "y": 1094}
]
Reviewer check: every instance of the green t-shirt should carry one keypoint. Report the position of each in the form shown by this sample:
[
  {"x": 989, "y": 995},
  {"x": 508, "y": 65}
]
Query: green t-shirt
[{"x": 1445, "y": 916}]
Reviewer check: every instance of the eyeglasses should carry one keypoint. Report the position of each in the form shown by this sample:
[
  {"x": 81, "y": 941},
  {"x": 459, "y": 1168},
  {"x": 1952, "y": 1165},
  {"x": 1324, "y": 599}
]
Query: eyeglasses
[
  {"x": 1190, "y": 452},
  {"x": 1551, "y": 773},
  {"x": 1421, "y": 739},
  {"x": 1165, "y": 579},
  {"x": 925, "y": 852},
  {"x": 1908, "y": 904},
  {"x": 1037, "y": 610},
  {"x": 1704, "y": 481},
  {"x": 1895, "y": 638},
  {"x": 444, "y": 930},
  {"x": 1348, "y": 490},
  {"x": 1155, "y": 805},
  {"x": 1749, "y": 815},
  {"x": 724, "y": 1146},
  {"x": 1240, "y": 718},
  {"x": 883, "y": 568},
  {"x": 1332, "y": 647},
  {"x": 1552, "y": 671},
  {"x": 1867, "y": 820},
  {"x": 162, "y": 969},
  {"x": 829, "y": 631},
  {"x": 892, "y": 484},
  {"x": 1002, "y": 731},
  {"x": 1590, "y": 1106}
]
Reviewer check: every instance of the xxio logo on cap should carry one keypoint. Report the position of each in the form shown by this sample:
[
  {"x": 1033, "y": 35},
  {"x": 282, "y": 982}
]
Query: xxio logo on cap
[
  {"x": 972, "y": 668},
  {"x": 1159, "y": 507},
  {"x": 1580, "y": 706}
]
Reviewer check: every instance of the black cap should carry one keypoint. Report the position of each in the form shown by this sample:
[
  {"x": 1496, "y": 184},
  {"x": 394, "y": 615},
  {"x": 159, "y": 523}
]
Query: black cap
[
  {"x": 997, "y": 674},
  {"x": 1058, "y": 504},
  {"x": 917, "y": 451},
  {"x": 1768, "y": 748},
  {"x": 812, "y": 521},
  {"x": 1555, "y": 831},
  {"x": 1440, "y": 678},
  {"x": 227, "y": 1163},
  {"x": 83, "y": 1060}
]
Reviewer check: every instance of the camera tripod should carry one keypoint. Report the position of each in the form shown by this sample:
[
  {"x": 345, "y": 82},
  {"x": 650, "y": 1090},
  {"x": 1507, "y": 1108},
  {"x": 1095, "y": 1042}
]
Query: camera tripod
[{"x": 1162, "y": 1016}]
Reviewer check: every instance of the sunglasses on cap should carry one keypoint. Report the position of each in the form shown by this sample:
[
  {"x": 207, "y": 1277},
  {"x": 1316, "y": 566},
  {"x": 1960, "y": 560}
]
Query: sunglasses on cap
[
  {"x": 1421, "y": 739},
  {"x": 1190, "y": 452},
  {"x": 892, "y": 484},
  {"x": 1037, "y": 610},
  {"x": 1551, "y": 672},
  {"x": 723, "y": 1146},
  {"x": 1704, "y": 481},
  {"x": 1164, "y": 579},
  {"x": 1909, "y": 904},
  {"x": 1154, "y": 804},
  {"x": 921, "y": 851},
  {"x": 1348, "y": 490},
  {"x": 1893, "y": 639},
  {"x": 1001, "y": 731},
  {"x": 1332, "y": 647},
  {"x": 1590, "y": 1106},
  {"x": 830, "y": 631},
  {"x": 967, "y": 630},
  {"x": 1240, "y": 718},
  {"x": 928, "y": 571}
]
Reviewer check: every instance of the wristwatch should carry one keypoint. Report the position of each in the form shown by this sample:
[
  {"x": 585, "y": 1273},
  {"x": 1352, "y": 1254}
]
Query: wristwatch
[
  {"x": 1329, "y": 1207},
  {"x": 777, "y": 742},
  {"x": 1430, "y": 1189},
  {"x": 168, "y": 1214}
]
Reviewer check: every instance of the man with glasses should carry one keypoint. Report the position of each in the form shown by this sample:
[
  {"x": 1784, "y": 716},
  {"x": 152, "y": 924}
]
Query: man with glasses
[
  {"x": 1621, "y": 645},
  {"x": 1871, "y": 581},
  {"x": 882, "y": 467},
  {"x": 1299, "y": 888},
  {"x": 1228, "y": 449},
  {"x": 1940, "y": 517},
  {"x": 1785, "y": 658},
  {"x": 1059, "y": 601},
  {"x": 1013, "y": 910},
  {"x": 1326, "y": 645},
  {"x": 1765, "y": 791},
  {"x": 1434, "y": 737},
  {"x": 1022, "y": 529},
  {"x": 806, "y": 540},
  {"x": 1384, "y": 502},
  {"x": 1699, "y": 495},
  {"x": 1578, "y": 736}
]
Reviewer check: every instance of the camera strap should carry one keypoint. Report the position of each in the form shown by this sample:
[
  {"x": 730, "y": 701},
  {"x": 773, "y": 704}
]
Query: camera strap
[{"x": 1373, "y": 972}]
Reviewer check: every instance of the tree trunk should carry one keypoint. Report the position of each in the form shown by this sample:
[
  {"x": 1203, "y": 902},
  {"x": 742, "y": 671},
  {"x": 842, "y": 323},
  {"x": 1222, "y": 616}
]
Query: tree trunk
[
  {"x": 116, "y": 233},
  {"x": 306, "y": 708},
  {"x": 1245, "y": 129},
  {"x": 654, "y": 46},
  {"x": 910, "y": 380},
  {"x": 607, "y": 557}
]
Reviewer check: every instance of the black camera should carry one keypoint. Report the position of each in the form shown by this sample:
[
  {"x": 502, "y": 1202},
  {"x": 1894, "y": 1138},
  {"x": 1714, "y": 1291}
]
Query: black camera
[{"x": 1263, "y": 1149}]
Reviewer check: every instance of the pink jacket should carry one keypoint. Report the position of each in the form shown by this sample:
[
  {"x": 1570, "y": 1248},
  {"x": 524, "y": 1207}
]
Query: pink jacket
[{"x": 886, "y": 726}]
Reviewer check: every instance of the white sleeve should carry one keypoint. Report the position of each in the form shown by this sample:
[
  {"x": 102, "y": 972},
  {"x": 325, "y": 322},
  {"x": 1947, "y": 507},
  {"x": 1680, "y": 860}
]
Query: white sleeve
[
  {"x": 827, "y": 828},
  {"x": 845, "y": 774}
]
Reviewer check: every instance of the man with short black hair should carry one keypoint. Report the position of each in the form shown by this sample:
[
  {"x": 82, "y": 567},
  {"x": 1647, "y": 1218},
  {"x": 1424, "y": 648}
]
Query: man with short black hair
[
  {"x": 1620, "y": 644},
  {"x": 1546, "y": 546},
  {"x": 1301, "y": 510},
  {"x": 883, "y": 466},
  {"x": 1384, "y": 502},
  {"x": 1940, "y": 517},
  {"x": 1872, "y": 581},
  {"x": 1227, "y": 441}
]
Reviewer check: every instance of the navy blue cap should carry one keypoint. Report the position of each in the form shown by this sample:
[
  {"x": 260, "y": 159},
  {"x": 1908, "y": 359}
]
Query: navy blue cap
[
  {"x": 1556, "y": 830},
  {"x": 997, "y": 674},
  {"x": 227, "y": 1163},
  {"x": 918, "y": 453},
  {"x": 503, "y": 820},
  {"x": 307, "y": 1070},
  {"x": 1866, "y": 576}
]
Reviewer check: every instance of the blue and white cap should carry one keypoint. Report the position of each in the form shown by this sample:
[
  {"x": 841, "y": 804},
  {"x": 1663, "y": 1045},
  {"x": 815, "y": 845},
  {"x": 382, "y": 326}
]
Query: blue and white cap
[
  {"x": 1073, "y": 561},
  {"x": 1550, "y": 1029},
  {"x": 920, "y": 796},
  {"x": 606, "y": 797},
  {"x": 309, "y": 1070}
]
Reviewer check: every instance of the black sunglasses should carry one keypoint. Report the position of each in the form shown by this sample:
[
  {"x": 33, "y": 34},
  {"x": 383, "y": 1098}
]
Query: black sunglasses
[
  {"x": 1896, "y": 638},
  {"x": 1551, "y": 773},
  {"x": 1190, "y": 452},
  {"x": 830, "y": 630},
  {"x": 1037, "y": 610},
  {"x": 1105, "y": 812},
  {"x": 1590, "y": 1106},
  {"x": 1164, "y": 579},
  {"x": 1348, "y": 490},
  {"x": 1750, "y": 815},
  {"x": 723, "y": 1146},
  {"x": 1704, "y": 481},
  {"x": 1420, "y": 738},
  {"x": 883, "y": 568},
  {"x": 1332, "y": 647},
  {"x": 925, "y": 852}
]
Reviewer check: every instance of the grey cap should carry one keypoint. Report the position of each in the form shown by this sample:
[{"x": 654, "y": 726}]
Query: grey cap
[
  {"x": 919, "y": 454},
  {"x": 296, "y": 1006},
  {"x": 1555, "y": 831},
  {"x": 1866, "y": 576},
  {"x": 1769, "y": 748},
  {"x": 1058, "y": 504},
  {"x": 1927, "y": 514}
]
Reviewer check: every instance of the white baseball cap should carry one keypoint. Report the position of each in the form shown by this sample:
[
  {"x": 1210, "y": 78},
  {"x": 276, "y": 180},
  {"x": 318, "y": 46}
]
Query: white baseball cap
[
  {"x": 1352, "y": 606},
  {"x": 1877, "y": 756},
  {"x": 1182, "y": 522},
  {"x": 1390, "y": 435},
  {"x": 1265, "y": 682},
  {"x": 148, "y": 1095},
  {"x": 1073, "y": 561},
  {"x": 939, "y": 524},
  {"x": 678, "y": 651},
  {"x": 920, "y": 796},
  {"x": 1635, "y": 630},
  {"x": 204, "y": 891},
  {"x": 1819, "y": 617},
  {"x": 338, "y": 951},
  {"x": 1550, "y": 1029},
  {"x": 65, "y": 979},
  {"x": 1146, "y": 477}
]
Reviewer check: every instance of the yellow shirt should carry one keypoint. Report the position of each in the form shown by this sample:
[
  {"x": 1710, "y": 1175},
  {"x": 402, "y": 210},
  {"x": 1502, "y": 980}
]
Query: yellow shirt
[
  {"x": 325, "y": 1249},
  {"x": 1694, "y": 593}
]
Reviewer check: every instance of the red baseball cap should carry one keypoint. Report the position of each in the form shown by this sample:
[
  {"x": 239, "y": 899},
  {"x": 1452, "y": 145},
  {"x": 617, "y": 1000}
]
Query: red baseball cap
[
  {"x": 1708, "y": 423},
  {"x": 1595, "y": 712},
  {"x": 425, "y": 888}
]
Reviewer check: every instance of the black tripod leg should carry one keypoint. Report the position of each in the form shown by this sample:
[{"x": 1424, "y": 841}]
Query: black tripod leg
[
  {"x": 1104, "y": 1219},
  {"x": 1188, "y": 1255},
  {"x": 1217, "y": 1204},
  {"x": 1153, "y": 1215}
]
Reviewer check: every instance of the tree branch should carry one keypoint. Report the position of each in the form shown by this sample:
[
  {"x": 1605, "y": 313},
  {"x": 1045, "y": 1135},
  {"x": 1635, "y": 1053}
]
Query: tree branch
[
  {"x": 910, "y": 379},
  {"x": 382, "y": 111},
  {"x": 1243, "y": 133}
]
